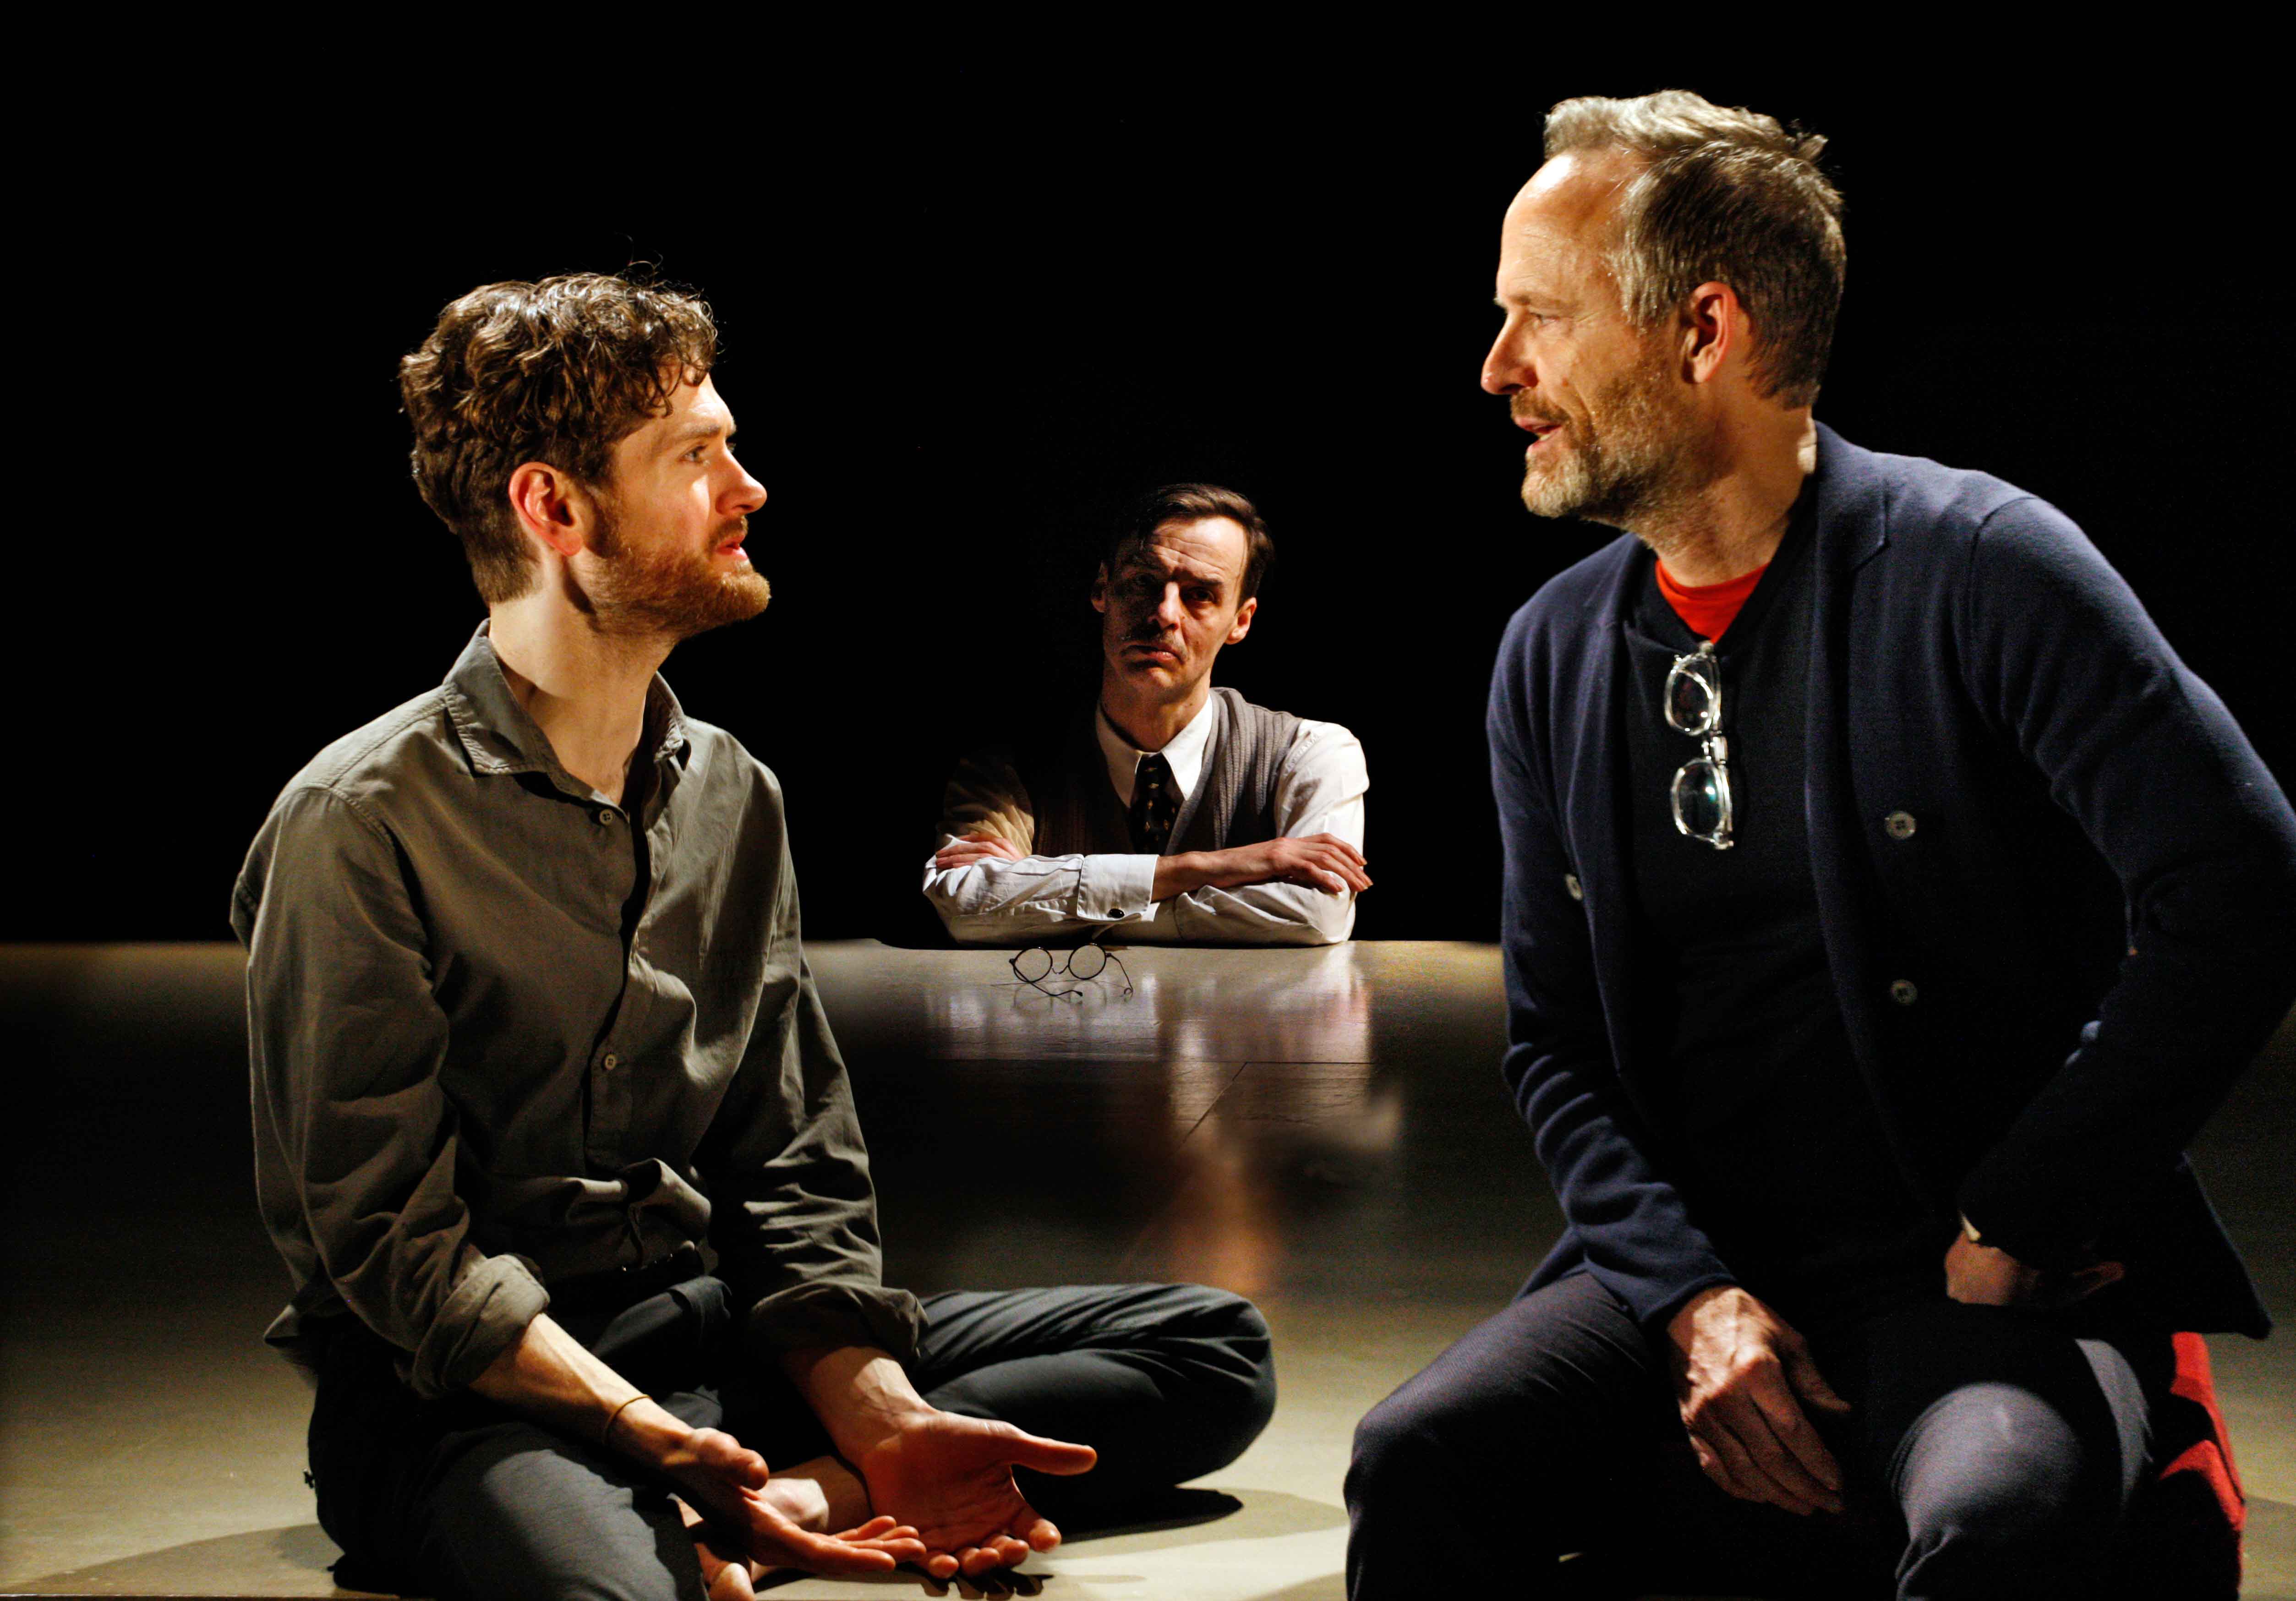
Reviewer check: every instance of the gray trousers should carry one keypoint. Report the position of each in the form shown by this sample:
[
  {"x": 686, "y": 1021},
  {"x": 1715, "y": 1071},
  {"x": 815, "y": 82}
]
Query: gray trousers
[
  {"x": 459, "y": 1499},
  {"x": 1987, "y": 1454}
]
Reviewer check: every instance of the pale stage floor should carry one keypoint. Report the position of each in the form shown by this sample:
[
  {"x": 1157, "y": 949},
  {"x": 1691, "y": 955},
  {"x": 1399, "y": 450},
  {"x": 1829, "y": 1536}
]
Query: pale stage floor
[{"x": 1324, "y": 1131}]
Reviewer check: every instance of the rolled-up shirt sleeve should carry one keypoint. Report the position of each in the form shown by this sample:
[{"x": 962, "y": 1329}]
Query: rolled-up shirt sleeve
[
  {"x": 1319, "y": 789},
  {"x": 793, "y": 1213},
  {"x": 998, "y": 901},
  {"x": 346, "y": 1040}
]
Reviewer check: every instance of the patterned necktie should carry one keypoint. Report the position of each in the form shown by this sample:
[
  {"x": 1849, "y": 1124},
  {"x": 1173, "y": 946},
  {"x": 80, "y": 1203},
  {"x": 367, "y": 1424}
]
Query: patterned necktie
[{"x": 1154, "y": 804}]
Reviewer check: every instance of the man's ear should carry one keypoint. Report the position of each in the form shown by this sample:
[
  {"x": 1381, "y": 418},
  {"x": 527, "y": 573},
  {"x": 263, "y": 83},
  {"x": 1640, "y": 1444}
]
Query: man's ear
[
  {"x": 552, "y": 507},
  {"x": 1100, "y": 589},
  {"x": 1714, "y": 325},
  {"x": 1242, "y": 626}
]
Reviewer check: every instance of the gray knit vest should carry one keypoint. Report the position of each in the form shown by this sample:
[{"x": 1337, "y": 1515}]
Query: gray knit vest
[{"x": 1232, "y": 803}]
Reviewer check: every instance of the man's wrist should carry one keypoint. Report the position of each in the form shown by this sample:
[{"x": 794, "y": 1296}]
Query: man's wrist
[
  {"x": 1681, "y": 1324},
  {"x": 1184, "y": 871},
  {"x": 861, "y": 1428},
  {"x": 606, "y": 1434},
  {"x": 648, "y": 1433},
  {"x": 862, "y": 1396}
]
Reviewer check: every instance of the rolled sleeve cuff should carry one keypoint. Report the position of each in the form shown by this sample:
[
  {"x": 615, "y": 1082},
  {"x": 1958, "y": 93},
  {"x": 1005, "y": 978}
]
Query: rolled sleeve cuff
[
  {"x": 1116, "y": 889},
  {"x": 806, "y": 1315},
  {"x": 485, "y": 1316}
]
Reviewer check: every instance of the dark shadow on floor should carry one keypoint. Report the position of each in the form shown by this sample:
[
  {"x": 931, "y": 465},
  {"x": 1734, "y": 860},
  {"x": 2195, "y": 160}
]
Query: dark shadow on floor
[{"x": 292, "y": 1561}]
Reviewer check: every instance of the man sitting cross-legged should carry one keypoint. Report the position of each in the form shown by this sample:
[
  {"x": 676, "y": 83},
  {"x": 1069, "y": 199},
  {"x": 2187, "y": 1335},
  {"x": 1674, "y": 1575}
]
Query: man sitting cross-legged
[{"x": 534, "y": 1040}]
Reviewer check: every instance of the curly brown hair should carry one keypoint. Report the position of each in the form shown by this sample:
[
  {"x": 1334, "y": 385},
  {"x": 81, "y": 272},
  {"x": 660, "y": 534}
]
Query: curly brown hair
[{"x": 559, "y": 372}]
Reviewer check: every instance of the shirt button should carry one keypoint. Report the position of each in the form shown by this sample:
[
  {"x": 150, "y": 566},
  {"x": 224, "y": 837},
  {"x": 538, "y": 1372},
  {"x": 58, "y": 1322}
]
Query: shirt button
[
  {"x": 1899, "y": 825},
  {"x": 1902, "y": 991},
  {"x": 605, "y": 816},
  {"x": 611, "y": 1062},
  {"x": 1570, "y": 882}
]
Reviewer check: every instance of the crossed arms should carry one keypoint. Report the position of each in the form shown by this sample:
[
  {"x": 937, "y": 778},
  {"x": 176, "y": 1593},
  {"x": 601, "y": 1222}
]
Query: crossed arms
[{"x": 1298, "y": 888}]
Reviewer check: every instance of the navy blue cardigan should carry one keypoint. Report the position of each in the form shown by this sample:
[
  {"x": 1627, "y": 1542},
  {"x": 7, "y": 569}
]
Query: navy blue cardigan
[{"x": 2049, "y": 980}]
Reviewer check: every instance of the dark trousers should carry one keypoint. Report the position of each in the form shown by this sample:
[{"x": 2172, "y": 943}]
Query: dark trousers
[
  {"x": 1988, "y": 1453},
  {"x": 458, "y": 1497}
]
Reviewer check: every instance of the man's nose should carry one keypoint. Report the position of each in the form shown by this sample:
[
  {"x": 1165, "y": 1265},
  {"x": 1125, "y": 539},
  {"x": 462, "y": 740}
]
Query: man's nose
[
  {"x": 748, "y": 495},
  {"x": 1505, "y": 368},
  {"x": 1168, "y": 610}
]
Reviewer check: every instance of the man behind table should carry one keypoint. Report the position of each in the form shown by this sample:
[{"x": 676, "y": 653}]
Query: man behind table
[
  {"x": 1886, "y": 907},
  {"x": 1173, "y": 812},
  {"x": 531, "y": 1028}
]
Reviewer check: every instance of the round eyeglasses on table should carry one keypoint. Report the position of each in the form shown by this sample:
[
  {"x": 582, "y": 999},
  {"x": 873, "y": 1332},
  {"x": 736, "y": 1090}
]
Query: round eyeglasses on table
[
  {"x": 1037, "y": 967},
  {"x": 1701, "y": 795}
]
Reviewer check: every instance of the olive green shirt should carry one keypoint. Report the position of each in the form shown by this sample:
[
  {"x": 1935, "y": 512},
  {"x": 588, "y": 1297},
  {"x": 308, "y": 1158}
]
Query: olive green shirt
[{"x": 504, "y": 1033}]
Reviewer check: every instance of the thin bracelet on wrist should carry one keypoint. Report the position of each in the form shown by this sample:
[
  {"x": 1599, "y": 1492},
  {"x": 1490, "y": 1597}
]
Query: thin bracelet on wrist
[{"x": 606, "y": 1434}]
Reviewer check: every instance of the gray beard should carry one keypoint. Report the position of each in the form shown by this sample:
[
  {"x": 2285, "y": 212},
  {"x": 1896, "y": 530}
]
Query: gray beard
[{"x": 1628, "y": 469}]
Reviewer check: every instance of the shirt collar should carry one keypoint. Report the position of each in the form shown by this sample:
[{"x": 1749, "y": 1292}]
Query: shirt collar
[
  {"x": 499, "y": 736},
  {"x": 1184, "y": 753}
]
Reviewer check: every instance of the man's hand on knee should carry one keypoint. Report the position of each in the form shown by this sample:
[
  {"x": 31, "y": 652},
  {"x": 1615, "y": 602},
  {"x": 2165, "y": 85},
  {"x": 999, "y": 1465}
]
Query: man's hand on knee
[
  {"x": 1980, "y": 1275},
  {"x": 1742, "y": 1377}
]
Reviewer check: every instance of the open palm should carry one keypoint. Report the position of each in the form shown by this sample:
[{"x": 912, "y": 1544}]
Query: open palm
[
  {"x": 950, "y": 1478},
  {"x": 726, "y": 1481}
]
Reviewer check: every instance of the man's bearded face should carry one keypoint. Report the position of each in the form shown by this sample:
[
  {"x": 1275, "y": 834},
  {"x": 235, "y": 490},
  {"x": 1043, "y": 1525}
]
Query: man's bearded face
[
  {"x": 1618, "y": 453},
  {"x": 666, "y": 586}
]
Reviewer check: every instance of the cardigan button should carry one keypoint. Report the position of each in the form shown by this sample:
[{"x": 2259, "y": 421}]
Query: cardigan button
[
  {"x": 1570, "y": 882},
  {"x": 1902, "y": 991},
  {"x": 1899, "y": 825}
]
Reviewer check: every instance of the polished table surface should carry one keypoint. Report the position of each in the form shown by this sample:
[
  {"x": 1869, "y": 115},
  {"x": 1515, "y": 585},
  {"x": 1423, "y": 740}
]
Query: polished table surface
[
  {"x": 1320, "y": 1121},
  {"x": 1324, "y": 1130}
]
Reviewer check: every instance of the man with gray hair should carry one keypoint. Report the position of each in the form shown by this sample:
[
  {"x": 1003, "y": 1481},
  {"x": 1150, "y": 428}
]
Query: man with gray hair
[{"x": 1886, "y": 907}]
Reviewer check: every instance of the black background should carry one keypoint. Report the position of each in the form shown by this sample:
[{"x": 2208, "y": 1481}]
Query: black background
[{"x": 968, "y": 308}]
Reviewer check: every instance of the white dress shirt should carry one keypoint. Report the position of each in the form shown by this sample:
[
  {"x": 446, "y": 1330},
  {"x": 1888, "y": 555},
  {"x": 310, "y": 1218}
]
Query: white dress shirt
[
  {"x": 1184, "y": 753},
  {"x": 1319, "y": 789}
]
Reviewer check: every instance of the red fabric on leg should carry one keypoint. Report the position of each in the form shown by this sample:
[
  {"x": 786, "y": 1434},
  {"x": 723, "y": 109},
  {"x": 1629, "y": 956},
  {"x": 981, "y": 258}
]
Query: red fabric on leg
[
  {"x": 2211, "y": 1458},
  {"x": 2182, "y": 1536}
]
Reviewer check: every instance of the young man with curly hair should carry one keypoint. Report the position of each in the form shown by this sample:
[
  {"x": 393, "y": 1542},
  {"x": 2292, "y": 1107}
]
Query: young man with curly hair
[{"x": 550, "y": 1126}]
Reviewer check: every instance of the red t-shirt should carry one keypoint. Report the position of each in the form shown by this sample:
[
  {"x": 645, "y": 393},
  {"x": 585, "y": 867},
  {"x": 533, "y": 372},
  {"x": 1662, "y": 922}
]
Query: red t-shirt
[{"x": 1708, "y": 610}]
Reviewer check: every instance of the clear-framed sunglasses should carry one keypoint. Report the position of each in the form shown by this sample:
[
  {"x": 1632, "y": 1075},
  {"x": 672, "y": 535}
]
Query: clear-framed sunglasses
[
  {"x": 1700, "y": 795},
  {"x": 1041, "y": 969}
]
